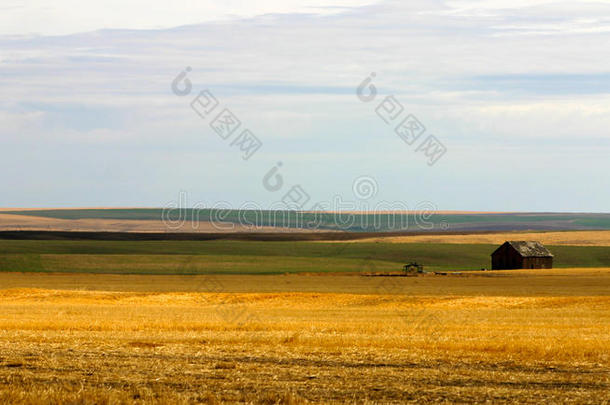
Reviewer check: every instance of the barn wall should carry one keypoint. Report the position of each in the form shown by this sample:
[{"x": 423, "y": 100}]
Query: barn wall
[
  {"x": 538, "y": 263},
  {"x": 506, "y": 258}
]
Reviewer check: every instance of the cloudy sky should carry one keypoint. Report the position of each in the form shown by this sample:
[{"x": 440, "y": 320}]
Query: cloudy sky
[{"x": 517, "y": 92}]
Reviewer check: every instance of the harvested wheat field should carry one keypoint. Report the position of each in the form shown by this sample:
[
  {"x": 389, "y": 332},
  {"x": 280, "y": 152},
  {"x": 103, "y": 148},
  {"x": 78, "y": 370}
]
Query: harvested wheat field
[
  {"x": 34, "y": 223},
  {"x": 393, "y": 340},
  {"x": 567, "y": 238}
]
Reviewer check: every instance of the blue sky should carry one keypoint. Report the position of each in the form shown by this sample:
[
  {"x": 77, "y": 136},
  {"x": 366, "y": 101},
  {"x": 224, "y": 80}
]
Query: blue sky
[{"x": 517, "y": 92}]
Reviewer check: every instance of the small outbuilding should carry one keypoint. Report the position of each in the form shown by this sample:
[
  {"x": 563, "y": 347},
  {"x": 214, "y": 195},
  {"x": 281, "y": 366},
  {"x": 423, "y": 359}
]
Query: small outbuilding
[{"x": 521, "y": 255}]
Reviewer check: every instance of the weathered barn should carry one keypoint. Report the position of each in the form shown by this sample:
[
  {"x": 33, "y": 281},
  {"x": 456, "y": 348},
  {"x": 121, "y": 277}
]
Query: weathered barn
[{"x": 521, "y": 255}]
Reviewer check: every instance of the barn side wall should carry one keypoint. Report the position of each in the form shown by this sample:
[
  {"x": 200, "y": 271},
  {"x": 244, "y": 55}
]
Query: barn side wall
[{"x": 538, "y": 263}]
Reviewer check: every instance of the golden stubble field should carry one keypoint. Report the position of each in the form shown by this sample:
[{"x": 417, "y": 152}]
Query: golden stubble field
[
  {"x": 11, "y": 222},
  {"x": 566, "y": 238},
  {"x": 506, "y": 337}
]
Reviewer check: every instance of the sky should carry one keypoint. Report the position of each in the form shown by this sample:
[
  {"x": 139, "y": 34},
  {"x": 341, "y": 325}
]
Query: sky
[{"x": 514, "y": 97}]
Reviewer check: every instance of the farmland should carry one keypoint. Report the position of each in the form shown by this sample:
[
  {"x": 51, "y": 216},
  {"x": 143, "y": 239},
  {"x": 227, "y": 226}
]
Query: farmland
[
  {"x": 256, "y": 257},
  {"x": 511, "y": 338},
  {"x": 234, "y": 220},
  {"x": 294, "y": 322}
]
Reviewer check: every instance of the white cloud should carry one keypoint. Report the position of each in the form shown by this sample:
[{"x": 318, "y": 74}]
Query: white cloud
[
  {"x": 480, "y": 78},
  {"x": 61, "y": 17}
]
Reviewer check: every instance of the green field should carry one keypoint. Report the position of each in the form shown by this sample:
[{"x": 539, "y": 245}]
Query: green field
[
  {"x": 380, "y": 222},
  {"x": 245, "y": 257}
]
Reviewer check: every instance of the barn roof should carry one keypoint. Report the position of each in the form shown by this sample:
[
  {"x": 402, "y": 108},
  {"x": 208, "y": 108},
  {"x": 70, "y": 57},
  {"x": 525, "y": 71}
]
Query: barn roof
[{"x": 530, "y": 248}]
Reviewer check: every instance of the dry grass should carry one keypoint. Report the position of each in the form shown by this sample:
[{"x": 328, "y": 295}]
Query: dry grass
[
  {"x": 554, "y": 282},
  {"x": 432, "y": 340},
  {"x": 571, "y": 238}
]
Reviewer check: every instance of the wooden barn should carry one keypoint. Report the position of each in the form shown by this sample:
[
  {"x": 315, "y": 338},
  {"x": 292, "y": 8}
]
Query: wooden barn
[{"x": 521, "y": 255}]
